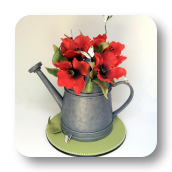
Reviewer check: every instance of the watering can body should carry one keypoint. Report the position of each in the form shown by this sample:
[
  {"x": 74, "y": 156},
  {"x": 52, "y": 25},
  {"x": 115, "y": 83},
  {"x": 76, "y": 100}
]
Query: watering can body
[{"x": 86, "y": 116}]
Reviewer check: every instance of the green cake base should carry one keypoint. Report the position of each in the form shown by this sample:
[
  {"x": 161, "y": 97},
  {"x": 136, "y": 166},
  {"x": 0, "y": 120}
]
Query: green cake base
[{"x": 86, "y": 149}]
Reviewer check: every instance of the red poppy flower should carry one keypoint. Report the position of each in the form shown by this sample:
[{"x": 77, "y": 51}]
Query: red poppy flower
[
  {"x": 72, "y": 75},
  {"x": 70, "y": 48},
  {"x": 116, "y": 47},
  {"x": 99, "y": 39},
  {"x": 106, "y": 67}
]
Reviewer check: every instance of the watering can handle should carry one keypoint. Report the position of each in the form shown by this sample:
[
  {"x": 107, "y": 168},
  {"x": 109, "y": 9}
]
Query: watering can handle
[{"x": 128, "y": 100}]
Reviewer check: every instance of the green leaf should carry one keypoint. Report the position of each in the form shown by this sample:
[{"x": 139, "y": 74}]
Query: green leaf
[
  {"x": 63, "y": 58},
  {"x": 92, "y": 64},
  {"x": 89, "y": 86},
  {"x": 59, "y": 57},
  {"x": 56, "y": 49},
  {"x": 52, "y": 127},
  {"x": 56, "y": 56},
  {"x": 80, "y": 32},
  {"x": 93, "y": 73},
  {"x": 103, "y": 86},
  {"x": 52, "y": 71},
  {"x": 100, "y": 47}
]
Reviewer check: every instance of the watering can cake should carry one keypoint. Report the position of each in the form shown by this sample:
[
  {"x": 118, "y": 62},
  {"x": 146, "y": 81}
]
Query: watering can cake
[{"x": 87, "y": 125}]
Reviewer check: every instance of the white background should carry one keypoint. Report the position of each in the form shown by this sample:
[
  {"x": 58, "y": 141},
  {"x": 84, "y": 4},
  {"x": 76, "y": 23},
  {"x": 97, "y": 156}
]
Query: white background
[{"x": 34, "y": 38}]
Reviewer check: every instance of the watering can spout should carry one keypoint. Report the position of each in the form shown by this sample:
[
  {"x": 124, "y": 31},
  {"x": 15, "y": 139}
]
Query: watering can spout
[{"x": 37, "y": 69}]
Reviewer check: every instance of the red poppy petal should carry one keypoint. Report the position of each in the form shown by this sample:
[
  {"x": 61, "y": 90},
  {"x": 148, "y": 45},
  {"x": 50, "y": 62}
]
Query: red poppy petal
[
  {"x": 98, "y": 41},
  {"x": 117, "y": 47},
  {"x": 104, "y": 37},
  {"x": 69, "y": 54},
  {"x": 79, "y": 84},
  {"x": 81, "y": 41},
  {"x": 65, "y": 79},
  {"x": 67, "y": 44},
  {"x": 81, "y": 67},
  {"x": 99, "y": 61},
  {"x": 116, "y": 73},
  {"x": 63, "y": 47},
  {"x": 63, "y": 65},
  {"x": 109, "y": 59},
  {"x": 88, "y": 45},
  {"x": 120, "y": 60}
]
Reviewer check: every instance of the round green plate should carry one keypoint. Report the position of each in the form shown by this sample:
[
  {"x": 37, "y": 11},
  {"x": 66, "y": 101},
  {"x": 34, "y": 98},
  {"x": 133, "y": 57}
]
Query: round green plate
[{"x": 97, "y": 148}]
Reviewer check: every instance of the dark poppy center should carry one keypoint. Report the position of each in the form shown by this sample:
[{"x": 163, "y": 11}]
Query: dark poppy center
[
  {"x": 79, "y": 57},
  {"x": 72, "y": 72},
  {"x": 103, "y": 70}
]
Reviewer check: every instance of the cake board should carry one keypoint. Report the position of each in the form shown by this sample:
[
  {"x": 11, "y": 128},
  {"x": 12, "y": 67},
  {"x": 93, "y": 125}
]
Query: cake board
[{"x": 88, "y": 149}]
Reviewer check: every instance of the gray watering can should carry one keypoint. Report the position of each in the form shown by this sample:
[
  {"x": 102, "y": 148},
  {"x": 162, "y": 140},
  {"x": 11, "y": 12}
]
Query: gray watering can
[{"x": 86, "y": 116}]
